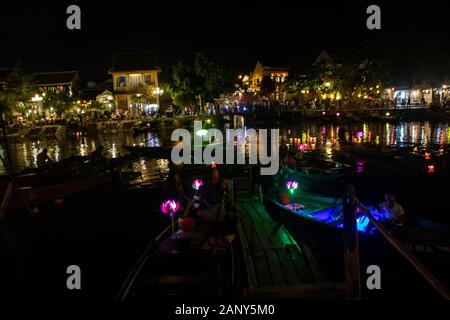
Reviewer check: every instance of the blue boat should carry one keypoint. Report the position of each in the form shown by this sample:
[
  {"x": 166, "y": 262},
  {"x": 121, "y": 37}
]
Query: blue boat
[{"x": 318, "y": 218}]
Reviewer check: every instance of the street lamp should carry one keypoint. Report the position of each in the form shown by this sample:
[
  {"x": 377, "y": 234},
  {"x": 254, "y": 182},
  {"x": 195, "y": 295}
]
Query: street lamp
[
  {"x": 36, "y": 99},
  {"x": 158, "y": 92}
]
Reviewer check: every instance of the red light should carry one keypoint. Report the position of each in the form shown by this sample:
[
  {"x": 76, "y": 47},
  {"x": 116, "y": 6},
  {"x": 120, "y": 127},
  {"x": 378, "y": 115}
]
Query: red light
[
  {"x": 427, "y": 156},
  {"x": 431, "y": 169}
]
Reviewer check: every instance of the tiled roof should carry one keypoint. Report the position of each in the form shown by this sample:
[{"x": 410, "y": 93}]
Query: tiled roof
[
  {"x": 53, "y": 78},
  {"x": 135, "y": 61}
]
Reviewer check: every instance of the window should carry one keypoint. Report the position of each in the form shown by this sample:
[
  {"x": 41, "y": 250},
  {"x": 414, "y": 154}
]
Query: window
[
  {"x": 121, "y": 81},
  {"x": 148, "y": 79},
  {"x": 135, "y": 80}
]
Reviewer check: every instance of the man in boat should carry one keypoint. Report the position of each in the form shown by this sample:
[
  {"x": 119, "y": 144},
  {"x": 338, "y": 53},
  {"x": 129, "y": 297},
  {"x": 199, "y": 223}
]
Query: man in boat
[
  {"x": 43, "y": 159},
  {"x": 341, "y": 135},
  {"x": 392, "y": 210},
  {"x": 97, "y": 154}
]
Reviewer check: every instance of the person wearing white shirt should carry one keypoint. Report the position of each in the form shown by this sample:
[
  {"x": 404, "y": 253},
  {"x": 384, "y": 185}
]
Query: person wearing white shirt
[{"x": 392, "y": 210}]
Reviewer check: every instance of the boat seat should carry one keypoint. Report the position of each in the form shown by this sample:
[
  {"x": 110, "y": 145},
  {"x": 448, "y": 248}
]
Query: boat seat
[
  {"x": 182, "y": 241},
  {"x": 205, "y": 278}
]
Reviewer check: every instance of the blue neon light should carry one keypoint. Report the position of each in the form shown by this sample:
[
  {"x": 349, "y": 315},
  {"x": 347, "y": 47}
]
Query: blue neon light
[{"x": 362, "y": 223}]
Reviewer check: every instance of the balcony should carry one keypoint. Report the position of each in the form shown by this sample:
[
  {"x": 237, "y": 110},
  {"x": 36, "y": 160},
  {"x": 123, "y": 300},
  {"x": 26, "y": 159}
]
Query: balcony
[{"x": 134, "y": 89}]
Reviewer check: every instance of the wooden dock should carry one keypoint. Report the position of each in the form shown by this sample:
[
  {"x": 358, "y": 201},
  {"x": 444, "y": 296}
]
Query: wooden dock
[{"x": 277, "y": 266}]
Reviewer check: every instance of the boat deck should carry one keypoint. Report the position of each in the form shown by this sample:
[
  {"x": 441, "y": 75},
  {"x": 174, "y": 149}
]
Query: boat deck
[{"x": 276, "y": 265}]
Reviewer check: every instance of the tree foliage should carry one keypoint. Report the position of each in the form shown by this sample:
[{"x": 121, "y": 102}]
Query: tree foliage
[
  {"x": 16, "y": 92},
  {"x": 267, "y": 86},
  {"x": 60, "y": 101},
  {"x": 204, "y": 76},
  {"x": 352, "y": 79}
]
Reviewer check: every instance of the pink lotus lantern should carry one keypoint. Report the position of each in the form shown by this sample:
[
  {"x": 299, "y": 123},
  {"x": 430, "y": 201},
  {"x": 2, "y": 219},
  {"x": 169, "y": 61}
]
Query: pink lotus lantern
[
  {"x": 292, "y": 185},
  {"x": 197, "y": 184},
  {"x": 302, "y": 147},
  {"x": 170, "y": 207}
]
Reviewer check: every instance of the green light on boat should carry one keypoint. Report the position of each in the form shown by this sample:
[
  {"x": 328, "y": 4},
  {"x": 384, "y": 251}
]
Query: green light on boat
[{"x": 201, "y": 132}]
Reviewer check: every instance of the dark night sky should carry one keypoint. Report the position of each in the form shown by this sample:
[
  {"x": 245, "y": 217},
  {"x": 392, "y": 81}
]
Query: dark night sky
[{"x": 275, "y": 32}]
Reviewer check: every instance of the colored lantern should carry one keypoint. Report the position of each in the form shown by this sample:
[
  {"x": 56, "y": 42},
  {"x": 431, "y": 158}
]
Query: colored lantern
[
  {"x": 197, "y": 184},
  {"x": 292, "y": 186},
  {"x": 170, "y": 207}
]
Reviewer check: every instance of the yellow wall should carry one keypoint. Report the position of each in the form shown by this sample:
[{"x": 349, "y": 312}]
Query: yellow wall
[{"x": 133, "y": 80}]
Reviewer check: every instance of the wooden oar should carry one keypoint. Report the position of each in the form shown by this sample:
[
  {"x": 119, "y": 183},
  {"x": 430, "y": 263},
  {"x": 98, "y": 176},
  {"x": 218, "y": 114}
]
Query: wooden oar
[{"x": 429, "y": 277}]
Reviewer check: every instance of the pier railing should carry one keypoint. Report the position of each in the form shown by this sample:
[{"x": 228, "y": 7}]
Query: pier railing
[{"x": 351, "y": 249}]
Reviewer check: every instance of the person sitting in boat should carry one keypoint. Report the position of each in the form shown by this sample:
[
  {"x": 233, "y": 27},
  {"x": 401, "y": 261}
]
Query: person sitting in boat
[
  {"x": 43, "y": 159},
  {"x": 392, "y": 210},
  {"x": 342, "y": 135},
  {"x": 97, "y": 154}
]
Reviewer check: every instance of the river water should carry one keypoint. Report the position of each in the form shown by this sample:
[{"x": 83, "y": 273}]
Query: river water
[
  {"x": 25, "y": 151},
  {"x": 105, "y": 230},
  {"x": 423, "y": 192}
]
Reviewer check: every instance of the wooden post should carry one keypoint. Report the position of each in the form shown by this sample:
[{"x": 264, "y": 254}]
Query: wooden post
[{"x": 351, "y": 246}]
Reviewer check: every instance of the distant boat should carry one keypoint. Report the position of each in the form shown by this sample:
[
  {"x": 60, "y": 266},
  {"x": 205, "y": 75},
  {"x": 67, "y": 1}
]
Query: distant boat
[
  {"x": 317, "y": 175},
  {"x": 64, "y": 178},
  {"x": 369, "y": 150},
  {"x": 151, "y": 152}
]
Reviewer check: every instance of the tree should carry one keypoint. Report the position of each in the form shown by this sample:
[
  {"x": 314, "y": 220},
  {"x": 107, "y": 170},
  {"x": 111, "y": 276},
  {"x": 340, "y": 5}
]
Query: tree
[
  {"x": 267, "y": 86},
  {"x": 17, "y": 91},
  {"x": 203, "y": 77},
  {"x": 59, "y": 101}
]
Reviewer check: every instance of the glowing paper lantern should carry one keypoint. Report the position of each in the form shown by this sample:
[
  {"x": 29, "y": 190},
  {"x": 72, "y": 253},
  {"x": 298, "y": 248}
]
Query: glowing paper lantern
[
  {"x": 302, "y": 147},
  {"x": 170, "y": 207},
  {"x": 292, "y": 186},
  {"x": 197, "y": 184}
]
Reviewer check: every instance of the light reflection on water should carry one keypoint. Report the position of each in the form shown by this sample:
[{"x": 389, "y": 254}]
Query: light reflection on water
[
  {"x": 24, "y": 151},
  {"x": 316, "y": 135},
  {"x": 408, "y": 133}
]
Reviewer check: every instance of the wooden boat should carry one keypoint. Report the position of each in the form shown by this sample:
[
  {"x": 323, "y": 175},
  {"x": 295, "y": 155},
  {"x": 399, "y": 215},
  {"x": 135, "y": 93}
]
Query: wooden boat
[
  {"x": 41, "y": 194},
  {"x": 189, "y": 262},
  {"x": 151, "y": 152},
  {"x": 141, "y": 129},
  {"x": 317, "y": 175},
  {"x": 371, "y": 151},
  {"x": 66, "y": 177},
  {"x": 318, "y": 218}
]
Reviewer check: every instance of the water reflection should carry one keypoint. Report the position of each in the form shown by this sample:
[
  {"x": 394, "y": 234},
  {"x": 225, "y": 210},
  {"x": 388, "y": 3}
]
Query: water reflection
[
  {"x": 24, "y": 151},
  {"x": 311, "y": 135},
  {"x": 407, "y": 133}
]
